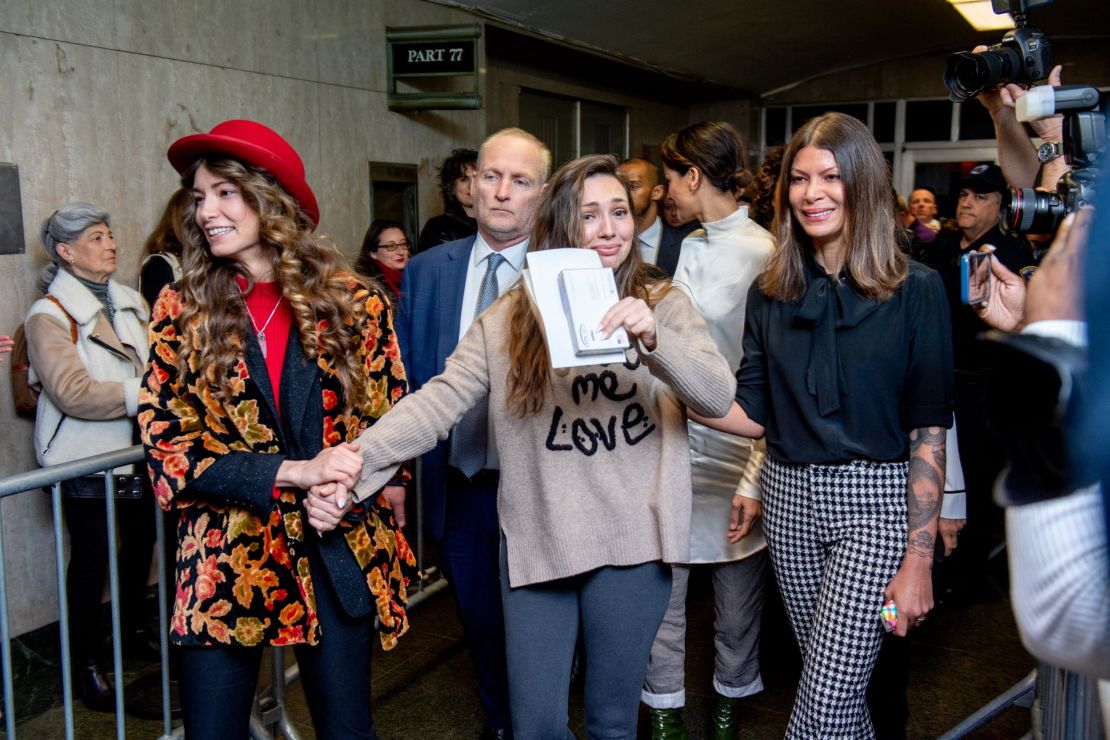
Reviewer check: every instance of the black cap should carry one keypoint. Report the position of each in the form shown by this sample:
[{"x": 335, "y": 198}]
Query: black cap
[{"x": 985, "y": 177}]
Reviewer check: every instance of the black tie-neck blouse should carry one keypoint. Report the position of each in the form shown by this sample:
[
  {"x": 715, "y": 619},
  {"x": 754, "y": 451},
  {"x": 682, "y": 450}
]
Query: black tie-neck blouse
[{"x": 836, "y": 376}]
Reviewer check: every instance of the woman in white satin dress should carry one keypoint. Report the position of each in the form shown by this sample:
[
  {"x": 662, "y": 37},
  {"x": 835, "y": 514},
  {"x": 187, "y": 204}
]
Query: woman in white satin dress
[{"x": 717, "y": 264}]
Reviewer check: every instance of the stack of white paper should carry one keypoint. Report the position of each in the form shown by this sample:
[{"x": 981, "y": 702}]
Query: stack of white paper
[{"x": 541, "y": 280}]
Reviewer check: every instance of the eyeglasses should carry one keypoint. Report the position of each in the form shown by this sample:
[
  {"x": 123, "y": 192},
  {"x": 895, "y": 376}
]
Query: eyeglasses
[{"x": 394, "y": 246}]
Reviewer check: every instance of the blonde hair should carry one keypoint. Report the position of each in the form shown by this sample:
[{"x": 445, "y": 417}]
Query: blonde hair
[{"x": 519, "y": 133}]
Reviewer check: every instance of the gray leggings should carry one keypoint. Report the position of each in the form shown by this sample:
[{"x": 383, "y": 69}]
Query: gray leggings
[{"x": 619, "y": 610}]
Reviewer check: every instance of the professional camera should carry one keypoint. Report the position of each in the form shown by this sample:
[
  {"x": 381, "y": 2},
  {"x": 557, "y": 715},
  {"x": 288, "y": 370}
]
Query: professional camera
[
  {"x": 1024, "y": 55},
  {"x": 1029, "y": 211}
]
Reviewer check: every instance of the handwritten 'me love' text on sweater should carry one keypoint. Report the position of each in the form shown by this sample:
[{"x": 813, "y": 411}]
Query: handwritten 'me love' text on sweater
[{"x": 601, "y": 474}]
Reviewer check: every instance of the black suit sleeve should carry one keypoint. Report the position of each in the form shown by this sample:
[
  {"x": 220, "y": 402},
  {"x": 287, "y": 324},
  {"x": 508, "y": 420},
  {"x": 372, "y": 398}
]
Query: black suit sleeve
[{"x": 241, "y": 478}]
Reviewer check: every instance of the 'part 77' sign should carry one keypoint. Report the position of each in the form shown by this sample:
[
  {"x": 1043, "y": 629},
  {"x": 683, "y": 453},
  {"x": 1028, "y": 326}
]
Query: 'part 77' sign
[
  {"x": 433, "y": 67},
  {"x": 422, "y": 58}
]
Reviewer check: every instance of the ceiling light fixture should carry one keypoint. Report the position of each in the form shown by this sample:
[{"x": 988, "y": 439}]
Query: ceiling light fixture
[{"x": 981, "y": 15}]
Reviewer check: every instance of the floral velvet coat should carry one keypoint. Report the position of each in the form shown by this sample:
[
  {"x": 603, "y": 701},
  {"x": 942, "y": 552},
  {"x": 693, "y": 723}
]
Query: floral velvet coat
[{"x": 243, "y": 574}]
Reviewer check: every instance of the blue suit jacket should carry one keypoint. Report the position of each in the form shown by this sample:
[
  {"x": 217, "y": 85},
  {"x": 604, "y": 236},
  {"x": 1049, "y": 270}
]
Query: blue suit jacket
[
  {"x": 428, "y": 330},
  {"x": 670, "y": 246}
]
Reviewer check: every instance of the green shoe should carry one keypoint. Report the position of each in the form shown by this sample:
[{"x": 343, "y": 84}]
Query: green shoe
[
  {"x": 726, "y": 719},
  {"x": 667, "y": 724}
]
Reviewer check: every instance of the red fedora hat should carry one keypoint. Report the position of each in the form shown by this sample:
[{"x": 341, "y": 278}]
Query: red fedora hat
[{"x": 254, "y": 144}]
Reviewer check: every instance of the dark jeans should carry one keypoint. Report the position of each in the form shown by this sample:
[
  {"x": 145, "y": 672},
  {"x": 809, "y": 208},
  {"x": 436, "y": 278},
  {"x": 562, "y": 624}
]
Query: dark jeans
[
  {"x": 86, "y": 574},
  {"x": 217, "y": 683}
]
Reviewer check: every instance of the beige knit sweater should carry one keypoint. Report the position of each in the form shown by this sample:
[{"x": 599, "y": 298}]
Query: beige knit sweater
[{"x": 601, "y": 475}]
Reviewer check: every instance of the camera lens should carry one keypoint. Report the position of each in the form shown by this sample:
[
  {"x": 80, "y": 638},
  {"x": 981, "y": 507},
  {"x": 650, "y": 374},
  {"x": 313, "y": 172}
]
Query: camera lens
[
  {"x": 1029, "y": 211},
  {"x": 968, "y": 74}
]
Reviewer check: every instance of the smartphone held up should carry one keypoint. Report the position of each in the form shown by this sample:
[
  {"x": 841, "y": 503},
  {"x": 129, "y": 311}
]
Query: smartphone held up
[{"x": 975, "y": 278}]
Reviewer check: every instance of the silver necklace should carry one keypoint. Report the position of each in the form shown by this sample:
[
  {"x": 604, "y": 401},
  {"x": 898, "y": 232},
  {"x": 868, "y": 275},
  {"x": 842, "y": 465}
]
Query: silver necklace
[{"x": 260, "y": 333}]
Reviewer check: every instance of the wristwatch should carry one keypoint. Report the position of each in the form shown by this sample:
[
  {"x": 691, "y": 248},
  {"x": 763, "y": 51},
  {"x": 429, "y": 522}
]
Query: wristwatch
[{"x": 1048, "y": 151}]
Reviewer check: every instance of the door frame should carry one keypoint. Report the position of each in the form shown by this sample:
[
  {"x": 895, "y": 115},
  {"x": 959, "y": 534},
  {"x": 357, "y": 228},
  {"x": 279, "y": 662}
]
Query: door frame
[{"x": 912, "y": 154}]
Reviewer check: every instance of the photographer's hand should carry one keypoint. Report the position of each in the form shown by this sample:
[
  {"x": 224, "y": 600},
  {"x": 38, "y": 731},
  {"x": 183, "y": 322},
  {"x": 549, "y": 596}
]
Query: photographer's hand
[
  {"x": 1050, "y": 129},
  {"x": 1056, "y": 289},
  {"x": 1005, "y": 309},
  {"x": 1016, "y": 154}
]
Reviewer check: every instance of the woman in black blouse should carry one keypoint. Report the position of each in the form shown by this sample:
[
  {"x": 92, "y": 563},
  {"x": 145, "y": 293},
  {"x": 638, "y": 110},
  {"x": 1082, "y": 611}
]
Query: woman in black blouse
[{"x": 848, "y": 368}]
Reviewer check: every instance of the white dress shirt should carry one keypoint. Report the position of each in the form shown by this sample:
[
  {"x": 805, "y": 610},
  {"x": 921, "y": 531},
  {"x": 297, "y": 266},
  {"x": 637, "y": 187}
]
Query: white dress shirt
[
  {"x": 649, "y": 241},
  {"x": 507, "y": 275}
]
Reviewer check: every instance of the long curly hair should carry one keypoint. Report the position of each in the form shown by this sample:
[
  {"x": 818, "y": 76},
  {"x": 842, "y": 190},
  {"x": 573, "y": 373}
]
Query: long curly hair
[
  {"x": 315, "y": 280},
  {"x": 453, "y": 168},
  {"x": 872, "y": 259},
  {"x": 762, "y": 191},
  {"x": 559, "y": 224}
]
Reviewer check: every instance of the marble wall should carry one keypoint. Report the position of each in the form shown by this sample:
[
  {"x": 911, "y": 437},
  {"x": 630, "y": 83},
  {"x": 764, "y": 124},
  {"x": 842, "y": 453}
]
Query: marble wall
[{"x": 94, "y": 91}]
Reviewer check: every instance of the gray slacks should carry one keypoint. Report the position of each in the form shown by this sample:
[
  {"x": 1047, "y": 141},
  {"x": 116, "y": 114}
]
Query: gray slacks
[{"x": 738, "y": 605}]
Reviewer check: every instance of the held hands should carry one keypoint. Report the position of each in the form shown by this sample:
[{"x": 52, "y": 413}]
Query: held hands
[
  {"x": 636, "y": 318},
  {"x": 744, "y": 513},
  {"x": 334, "y": 470},
  {"x": 339, "y": 464},
  {"x": 328, "y": 503}
]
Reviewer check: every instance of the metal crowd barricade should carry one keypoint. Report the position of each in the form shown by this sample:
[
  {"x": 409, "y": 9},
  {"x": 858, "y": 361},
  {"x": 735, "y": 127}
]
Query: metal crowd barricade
[
  {"x": 270, "y": 718},
  {"x": 1064, "y": 706},
  {"x": 1067, "y": 705}
]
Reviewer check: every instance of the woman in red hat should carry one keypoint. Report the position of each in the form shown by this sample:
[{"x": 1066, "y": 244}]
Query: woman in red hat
[{"x": 268, "y": 358}]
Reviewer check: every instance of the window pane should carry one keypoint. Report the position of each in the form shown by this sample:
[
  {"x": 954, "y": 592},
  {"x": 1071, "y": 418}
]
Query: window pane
[
  {"x": 602, "y": 130},
  {"x": 884, "y": 122},
  {"x": 776, "y": 127},
  {"x": 929, "y": 120},
  {"x": 975, "y": 122}
]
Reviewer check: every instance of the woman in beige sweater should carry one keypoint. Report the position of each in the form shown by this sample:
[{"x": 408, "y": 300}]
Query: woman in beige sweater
[{"x": 594, "y": 499}]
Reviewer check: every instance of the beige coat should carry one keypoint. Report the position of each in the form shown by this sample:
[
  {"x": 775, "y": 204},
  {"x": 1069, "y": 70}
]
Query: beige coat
[{"x": 90, "y": 388}]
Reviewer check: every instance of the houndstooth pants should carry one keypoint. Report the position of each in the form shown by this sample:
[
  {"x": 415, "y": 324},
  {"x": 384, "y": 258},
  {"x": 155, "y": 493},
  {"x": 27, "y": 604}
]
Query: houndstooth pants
[{"x": 837, "y": 534}]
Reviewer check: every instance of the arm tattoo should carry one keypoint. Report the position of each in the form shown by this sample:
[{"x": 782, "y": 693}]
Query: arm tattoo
[
  {"x": 940, "y": 457},
  {"x": 924, "y": 487},
  {"x": 926, "y": 436},
  {"x": 924, "y": 484},
  {"x": 922, "y": 544}
]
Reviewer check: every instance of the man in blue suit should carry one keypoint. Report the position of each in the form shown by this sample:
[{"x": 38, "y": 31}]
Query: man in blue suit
[{"x": 442, "y": 290}]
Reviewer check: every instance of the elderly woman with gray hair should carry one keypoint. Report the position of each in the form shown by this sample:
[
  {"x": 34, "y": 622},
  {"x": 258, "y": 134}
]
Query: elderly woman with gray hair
[{"x": 87, "y": 342}]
